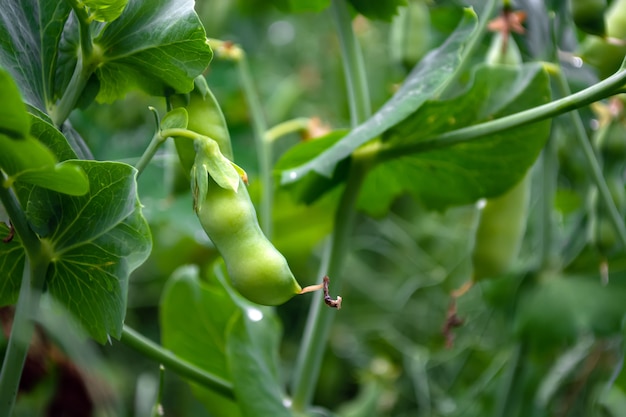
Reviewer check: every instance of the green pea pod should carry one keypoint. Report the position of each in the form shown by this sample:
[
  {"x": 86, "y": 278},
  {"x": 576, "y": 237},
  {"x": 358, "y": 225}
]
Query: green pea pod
[
  {"x": 607, "y": 56},
  {"x": 503, "y": 51},
  {"x": 588, "y": 15},
  {"x": 205, "y": 118},
  {"x": 255, "y": 267},
  {"x": 500, "y": 231},
  {"x": 502, "y": 220}
]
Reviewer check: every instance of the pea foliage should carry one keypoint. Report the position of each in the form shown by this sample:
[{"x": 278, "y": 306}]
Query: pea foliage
[{"x": 454, "y": 169}]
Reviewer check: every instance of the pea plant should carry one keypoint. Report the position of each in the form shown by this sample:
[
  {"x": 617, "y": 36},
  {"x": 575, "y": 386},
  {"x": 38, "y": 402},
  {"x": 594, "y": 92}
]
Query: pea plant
[{"x": 453, "y": 246}]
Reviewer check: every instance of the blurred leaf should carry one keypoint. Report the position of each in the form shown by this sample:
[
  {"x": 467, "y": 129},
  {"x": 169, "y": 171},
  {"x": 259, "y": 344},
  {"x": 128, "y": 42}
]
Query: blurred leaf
[
  {"x": 560, "y": 308},
  {"x": 232, "y": 338},
  {"x": 298, "y": 6},
  {"x": 153, "y": 46},
  {"x": 24, "y": 159},
  {"x": 12, "y": 258},
  {"x": 13, "y": 117},
  {"x": 96, "y": 239},
  {"x": 50, "y": 136},
  {"x": 194, "y": 317},
  {"x": 463, "y": 173},
  {"x": 378, "y": 10},
  {"x": 252, "y": 346},
  {"x": 424, "y": 82},
  {"x": 30, "y": 31},
  {"x": 175, "y": 119},
  {"x": 105, "y": 10}
]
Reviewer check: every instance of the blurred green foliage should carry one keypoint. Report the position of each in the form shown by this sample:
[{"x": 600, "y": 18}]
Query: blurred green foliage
[{"x": 530, "y": 344}]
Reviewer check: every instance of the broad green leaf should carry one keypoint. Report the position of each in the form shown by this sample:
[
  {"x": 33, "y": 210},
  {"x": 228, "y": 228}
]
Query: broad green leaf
[
  {"x": 29, "y": 161},
  {"x": 105, "y": 10},
  {"x": 13, "y": 117},
  {"x": 297, "y": 6},
  {"x": 24, "y": 158},
  {"x": 312, "y": 186},
  {"x": 212, "y": 315},
  {"x": 54, "y": 140},
  {"x": 197, "y": 312},
  {"x": 378, "y": 10},
  {"x": 12, "y": 258},
  {"x": 156, "y": 46},
  {"x": 424, "y": 82},
  {"x": 463, "y": 173},
  {"x": 561, "y": 308},
  {"x": 251, "y": 345},
  {"x": 30, "y": 31},
  {"x": 97, "y": 240}
]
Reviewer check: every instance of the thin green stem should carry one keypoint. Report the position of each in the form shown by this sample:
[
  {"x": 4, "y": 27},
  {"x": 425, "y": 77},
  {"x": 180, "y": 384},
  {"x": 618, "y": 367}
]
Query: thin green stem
[
  {"x": 264, "y": 149},
  {"x": 21, "y": 332},
  {"x": 593, "y": 166},
  {"x": 172, "y": 362},
  {"x": 84, "y": 27},
  {"x": 290, "y": 126},
  {"x": 83, "y": 70},
  {"x": 509, "y": 394},
  {"x": 321, "y": 317},
  {"x": 549, "y": 170},
  {"x": 603, "y": 89},
  {"x": 151, "y": 150},
  {"x": 36, "y": 265},
  {"x": 353, "y": 66}
]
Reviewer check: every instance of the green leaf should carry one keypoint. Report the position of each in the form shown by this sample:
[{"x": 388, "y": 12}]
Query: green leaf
[
  {"x": 175, "y": 119},
  {"x": 30, "y": 31},
  {"x": 251, "y": 345},
  {"x": 424, "y": 82},
  {"x": 13, "y": 116},
  {"x": 156, "y": 46},
  {"x": 50, "y": 136},
  {"x": 312, "y": 186},
  {"x": 96, "y": 239},
  {"x": 29, "y": 161},
  {"x": 105, "y": 10},
  {"x": 12, "y": 258},
  {"x": 194, "y": 311},
  {"x": 299, "y": 6},
  {"x": 378, "y": 10},
  {"x": 463, "y": 173},
  {"x": 232, "y": 338}
]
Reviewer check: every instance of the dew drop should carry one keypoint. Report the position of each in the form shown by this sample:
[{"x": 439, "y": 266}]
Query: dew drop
[
  {"x": 293, "y": 175},
  {"x": 254, "y": 314},
  {"x": 480, "y": 204}
]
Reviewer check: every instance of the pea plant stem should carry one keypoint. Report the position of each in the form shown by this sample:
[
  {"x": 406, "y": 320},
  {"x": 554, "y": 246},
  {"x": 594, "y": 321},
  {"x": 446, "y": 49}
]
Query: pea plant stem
[
  {"x": 603, "y": 89},
  {"x": 320, "y": 317},
  {"x": 549, "y": 170},
  {"x": 290, "y": 126},
  {"x": 33, "y": 279},
  {"x": 263, "y": 147},
  {"x": 172, "y": 362},
  {"x": 83, "y": 70},
  {"x": 593, "y": 166},
  {"x": 353, "y": 66}
]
